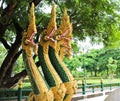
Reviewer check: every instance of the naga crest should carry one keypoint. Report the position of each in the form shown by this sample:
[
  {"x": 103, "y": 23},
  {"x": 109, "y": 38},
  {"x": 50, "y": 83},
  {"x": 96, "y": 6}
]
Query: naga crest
[
  {"x": 64, "y": 36},
  {"x": 32, "y": 26},
  {"x": 46, "y": 38},
  {"x": 65, "y": 28},
  {"x": 48, "y": 33},
  {"x": 27, "y": 40}
]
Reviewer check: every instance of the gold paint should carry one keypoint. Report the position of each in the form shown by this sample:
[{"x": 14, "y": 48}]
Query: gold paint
[
  {"x": 47, "y": 40},
  {"x": 64, "y": 36},
  {"x": 27, "y": 40},
  {"x": 29, "y": 46}
]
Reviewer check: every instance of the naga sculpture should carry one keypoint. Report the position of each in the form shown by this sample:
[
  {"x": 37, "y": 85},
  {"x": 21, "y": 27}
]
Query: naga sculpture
[
  {"x": 41, "y": 90},
  {"x": 63, "y": 36},
  {"x": 50, "y": 74},
  {"x": 56, "y": 83}
]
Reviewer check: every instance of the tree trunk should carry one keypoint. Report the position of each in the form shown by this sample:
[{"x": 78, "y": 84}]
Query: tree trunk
[
  {"x": 95, "y": 73},
  {"x": 9, "y": 71},
  {"x": 12, "y": 81},
  {"x": 8, "y": 60},
  {"x": 91, "y": 73}
]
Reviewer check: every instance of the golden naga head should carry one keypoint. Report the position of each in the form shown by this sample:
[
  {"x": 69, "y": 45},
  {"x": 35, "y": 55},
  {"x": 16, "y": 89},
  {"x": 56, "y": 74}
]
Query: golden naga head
[
  {"x": 32, "y": 26},
  {"x": 64, "y": 35},
  {"x": 52, "y": 24},
  {"x": 65, "y": 28},
  {"x": 27, "y": 39}
]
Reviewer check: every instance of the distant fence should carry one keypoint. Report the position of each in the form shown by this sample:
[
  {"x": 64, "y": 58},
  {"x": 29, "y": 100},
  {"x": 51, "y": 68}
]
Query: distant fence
[
  {"x": 97, "y": 87},
  {"x": 21, "y": 93},
  {"x": 14, "y": 94}
]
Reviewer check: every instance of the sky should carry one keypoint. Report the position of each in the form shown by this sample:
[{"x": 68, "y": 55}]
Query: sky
[
  {"x": 3, "y": 4},
  {"x": 87, "y": 45}
]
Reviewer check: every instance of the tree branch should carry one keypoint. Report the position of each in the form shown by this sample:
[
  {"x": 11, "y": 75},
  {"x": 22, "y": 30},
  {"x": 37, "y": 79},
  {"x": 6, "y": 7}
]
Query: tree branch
[
  {"x": 6, "y": 14},
  {"x": 11, "y": 53},
  {"x": 9, "y": 71},
  {"x": 36, "y": 2},
  {"x": 9, "y": 9},
  {"x": 14, "y": 80},
  {"x": 37, "y": 63},
  {"x": 4, "y": 42},
  {"x": 17, "y": 27}
]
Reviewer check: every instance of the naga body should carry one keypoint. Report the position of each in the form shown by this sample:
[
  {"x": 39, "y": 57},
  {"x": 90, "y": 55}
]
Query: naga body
[
  {"x": 56, "y": 83},
  {"x": 41, "y": 90},
  {"x": 56, "y": 55},
  {"x": 51, "y": 76}
]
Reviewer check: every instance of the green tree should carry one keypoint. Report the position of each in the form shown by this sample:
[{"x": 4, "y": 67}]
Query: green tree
[
  {"x": 92, "y": 17},
  {"x": 74, "y": 65},
  {"x": 112, "y": 66},
  {"x": 96, "y": 61}
]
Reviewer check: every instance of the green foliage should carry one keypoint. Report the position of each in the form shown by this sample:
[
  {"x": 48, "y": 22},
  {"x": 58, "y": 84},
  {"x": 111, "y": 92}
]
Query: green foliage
[
  {"x": 21, "y": 14},
  {"x": 2, "y": 53},
  {"x": 112, "y": 66},
  {"x": 75, "y": 48},
  {"x": 96, "y": 61},
  {"x": 74, "y": 66},
  {"x": 11, "y": 38},
  {"x": 77, "y": 74},
  {"x": 73, "y": 63},
  {"x": 89, "y": 18},
  {"x": 18, "y": 66},
  {"x": 114, "y": 38},
  {"x": 92, "y": 17}
]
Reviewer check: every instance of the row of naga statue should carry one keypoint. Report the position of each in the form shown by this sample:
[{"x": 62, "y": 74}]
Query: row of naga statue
[{"x": 55, "y": 83}]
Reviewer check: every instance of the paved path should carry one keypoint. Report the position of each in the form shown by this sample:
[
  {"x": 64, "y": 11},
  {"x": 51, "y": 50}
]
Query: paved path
[
  {"x": 97, "y": 96},
  {"x": 100, "y": 98}
]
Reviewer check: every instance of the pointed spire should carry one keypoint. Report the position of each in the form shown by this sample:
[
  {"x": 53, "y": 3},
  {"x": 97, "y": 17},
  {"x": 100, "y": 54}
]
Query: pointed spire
[
  {"x": 52, "y": 24},
  {"x": 32, "y": 25},
  {"x": 65, "y": 32},
  {"x": 65, "y": 24}
]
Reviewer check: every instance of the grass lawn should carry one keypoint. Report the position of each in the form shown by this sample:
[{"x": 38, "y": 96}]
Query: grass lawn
[
  {"x": 90, "y": 80},
  {"x": 96, "y": 80}
]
